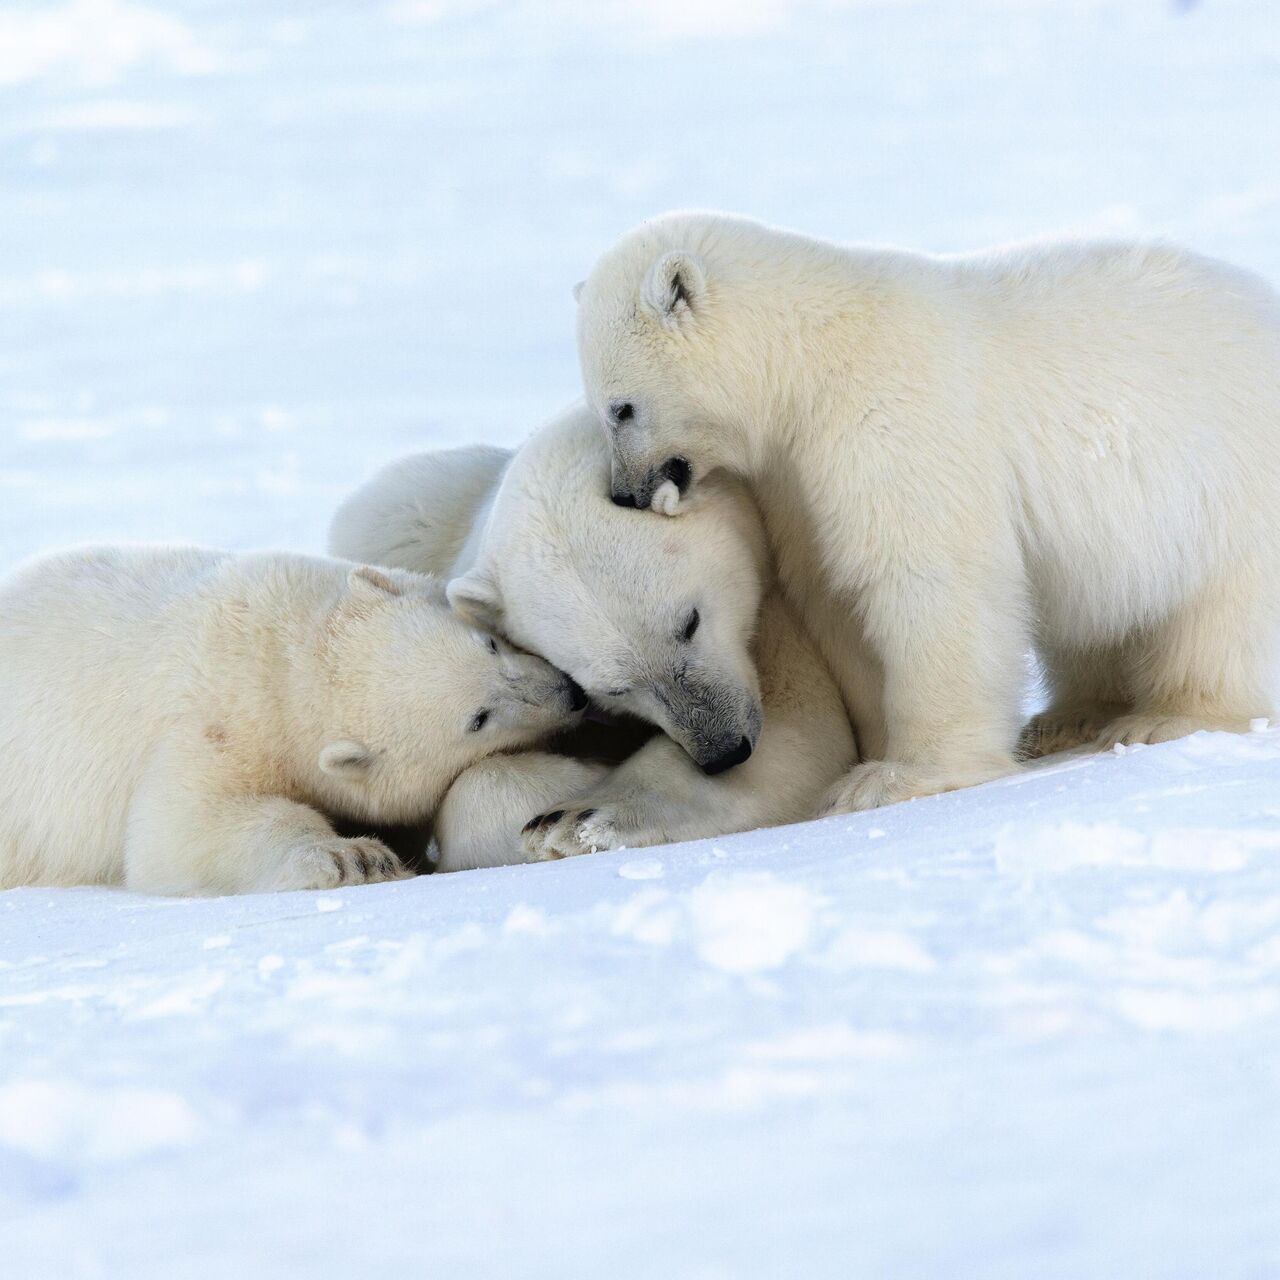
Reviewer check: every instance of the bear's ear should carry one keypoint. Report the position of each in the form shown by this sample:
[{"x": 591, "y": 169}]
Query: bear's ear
[
  {"x": 365, "y": 580},
  {"x": 474, "y": 598},
  {"x": 346, "y": 759},
  {"x": 675, "y": 287},
  {"x": 577, "y": 290}
]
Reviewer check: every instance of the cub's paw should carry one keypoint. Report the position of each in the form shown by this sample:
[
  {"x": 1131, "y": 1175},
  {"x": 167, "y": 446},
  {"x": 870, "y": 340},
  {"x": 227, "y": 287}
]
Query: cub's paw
[
  {"x": 875, "y": 783},
  {"x": 1152, "y": 728},
  {"x": 333, "y": 862},
  {"x": 566, "y": 833},
  {"x": 1060, "y": 730}
]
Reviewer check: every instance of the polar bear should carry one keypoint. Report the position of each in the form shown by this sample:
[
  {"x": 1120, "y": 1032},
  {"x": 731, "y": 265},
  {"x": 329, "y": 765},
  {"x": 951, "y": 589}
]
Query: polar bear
[
  {"x": 1071, "y": 446},
  {"x": 676, "y": 624},
  {"x": 185, "y": 721}
]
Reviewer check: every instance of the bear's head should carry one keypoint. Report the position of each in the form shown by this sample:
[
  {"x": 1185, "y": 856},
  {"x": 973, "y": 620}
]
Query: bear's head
[
  {"x": 414, "y": 695},
  {"x": 653, "y": 618},
  {"x": 668, "y": 363}
]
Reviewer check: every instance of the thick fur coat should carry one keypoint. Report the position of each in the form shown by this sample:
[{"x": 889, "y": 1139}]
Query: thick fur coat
[{"x": 1073, "y": 446}]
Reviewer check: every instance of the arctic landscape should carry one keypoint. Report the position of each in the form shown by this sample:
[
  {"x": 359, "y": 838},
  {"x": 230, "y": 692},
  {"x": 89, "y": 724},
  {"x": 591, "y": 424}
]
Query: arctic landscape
[{"x": 251, "y": 253}]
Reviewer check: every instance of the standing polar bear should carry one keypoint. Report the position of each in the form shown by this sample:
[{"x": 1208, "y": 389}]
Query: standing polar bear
[
  {"x": 676, "y": 624},
  {"x": 185, "y": 721},
  {"x": 1075, "y": 446}
]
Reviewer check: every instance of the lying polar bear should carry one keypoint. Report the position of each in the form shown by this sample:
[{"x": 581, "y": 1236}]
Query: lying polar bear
[
  {"x": 677, "y": 623},
  {"x": 1075, "y": 446},
  {"x": 186, "y": 721}
]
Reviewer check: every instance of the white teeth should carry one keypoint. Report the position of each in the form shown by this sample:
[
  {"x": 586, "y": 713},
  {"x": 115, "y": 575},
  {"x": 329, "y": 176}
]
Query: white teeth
[{"x": 666, "y": 498}]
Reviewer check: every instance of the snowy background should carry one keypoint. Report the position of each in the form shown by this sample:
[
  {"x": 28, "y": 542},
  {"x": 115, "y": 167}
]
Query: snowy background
[{"x": 250, "y": 251}]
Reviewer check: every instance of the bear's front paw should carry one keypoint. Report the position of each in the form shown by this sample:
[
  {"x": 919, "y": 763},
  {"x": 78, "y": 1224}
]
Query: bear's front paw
[
  {"x": 879, "y": 782},
  {"x": 868, "y": 786},
  {"x": 566, "y": 833},
  {"x": 330, "y": 863}
]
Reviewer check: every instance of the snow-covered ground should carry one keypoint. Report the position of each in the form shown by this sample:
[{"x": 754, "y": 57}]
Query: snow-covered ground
[{"x": 250, "y": 251}]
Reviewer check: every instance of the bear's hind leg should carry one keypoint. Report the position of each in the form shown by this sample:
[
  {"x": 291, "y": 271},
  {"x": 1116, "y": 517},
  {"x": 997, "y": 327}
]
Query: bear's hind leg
[{"x": 1207, "y": 666}]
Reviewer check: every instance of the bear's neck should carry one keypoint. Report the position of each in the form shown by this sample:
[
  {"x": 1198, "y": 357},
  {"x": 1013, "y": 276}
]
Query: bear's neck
[
  {"x": 264, "y": 663},
  {"x": 805, "y": 337}
]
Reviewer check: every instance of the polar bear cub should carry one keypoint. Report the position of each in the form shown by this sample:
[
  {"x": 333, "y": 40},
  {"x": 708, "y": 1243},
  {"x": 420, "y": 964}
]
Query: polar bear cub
[
  {"x": 186, "y": 721},
  {"x": 1071, "y": 446}
]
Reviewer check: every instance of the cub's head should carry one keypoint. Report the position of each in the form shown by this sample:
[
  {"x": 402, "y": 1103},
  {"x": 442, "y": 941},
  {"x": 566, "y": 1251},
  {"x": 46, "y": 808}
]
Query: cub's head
[
  {"x": 415, "y": 695},
  {"x": 653, "y": 618},
  {"x": 660, "y": 363}
]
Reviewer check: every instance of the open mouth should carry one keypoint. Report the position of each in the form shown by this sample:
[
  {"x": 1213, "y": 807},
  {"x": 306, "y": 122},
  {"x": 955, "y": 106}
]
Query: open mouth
[{"x": 678, "y": 471}]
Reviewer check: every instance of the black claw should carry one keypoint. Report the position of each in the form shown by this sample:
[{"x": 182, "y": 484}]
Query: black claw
[
  {"x": 341, "y": 863},
  {"x": 363, "y": 859},
  {"x": 554, "y": 816},
  {"x": 529, "y": 826},
  {"x": 585, "y": 814}
]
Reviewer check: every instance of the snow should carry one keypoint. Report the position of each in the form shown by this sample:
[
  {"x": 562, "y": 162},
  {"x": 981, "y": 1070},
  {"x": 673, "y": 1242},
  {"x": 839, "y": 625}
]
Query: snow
[
  {"x": 250, "y": 252},
  {"x": 1031, "y": 1029}
]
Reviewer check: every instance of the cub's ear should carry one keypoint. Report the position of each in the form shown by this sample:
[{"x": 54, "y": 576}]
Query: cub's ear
[
  {"x": 675, "y": 287},
  {"x": 346, "y": 759},
  {"x": 577, "y": 290},
  {"x": 365, "y": 580},
  {"x": 474, "y": 598}
]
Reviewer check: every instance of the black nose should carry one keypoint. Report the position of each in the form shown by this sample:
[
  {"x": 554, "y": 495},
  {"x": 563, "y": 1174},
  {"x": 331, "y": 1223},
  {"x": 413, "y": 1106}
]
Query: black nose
[
  {"x": 678, "y": 471},
  {"x": 623, "y": 499},
  {"x": 734, "y": 756},
  {"x": 577, "y": 695}
]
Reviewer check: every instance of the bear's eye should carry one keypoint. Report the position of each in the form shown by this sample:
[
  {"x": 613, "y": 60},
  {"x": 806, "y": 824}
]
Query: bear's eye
[
  {"x": 493, "y": 645},
  {"x": 691, "y": 625},
  {"x": 622, "y": 412},
  {"x": 478, "y": 721}
]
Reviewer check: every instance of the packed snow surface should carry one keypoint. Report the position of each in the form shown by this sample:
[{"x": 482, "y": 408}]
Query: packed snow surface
[{"x": 1030, "y": 1030}]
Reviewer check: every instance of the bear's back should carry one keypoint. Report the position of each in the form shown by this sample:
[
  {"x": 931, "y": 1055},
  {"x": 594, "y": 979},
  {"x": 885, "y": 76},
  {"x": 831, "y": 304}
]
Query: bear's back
[
  {"x": 86, "y": 640},
  {"x": 418, "y": 513}
]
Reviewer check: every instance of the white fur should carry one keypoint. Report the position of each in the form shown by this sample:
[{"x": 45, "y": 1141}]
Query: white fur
[
  {"x": 1075, "y": 446},
  {"x": 481, "y": 820},
  {"x": 605, "y": 594},
  {"x": 186, "y": 721}
]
